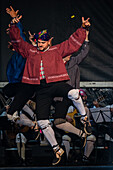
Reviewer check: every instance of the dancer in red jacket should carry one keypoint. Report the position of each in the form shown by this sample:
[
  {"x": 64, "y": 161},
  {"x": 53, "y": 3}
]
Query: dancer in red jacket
[{"x": 46, "y": 72}]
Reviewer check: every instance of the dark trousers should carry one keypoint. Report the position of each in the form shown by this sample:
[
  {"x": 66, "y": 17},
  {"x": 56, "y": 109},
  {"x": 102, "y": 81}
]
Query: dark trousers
[
  {"x": 21, "y": 92},
  {"x": 61, "y": 108},
  {"x": 45, "y": 94}
]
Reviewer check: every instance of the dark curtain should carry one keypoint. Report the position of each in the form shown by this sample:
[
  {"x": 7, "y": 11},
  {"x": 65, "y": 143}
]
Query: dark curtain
[{"x": 56, "y": 17}]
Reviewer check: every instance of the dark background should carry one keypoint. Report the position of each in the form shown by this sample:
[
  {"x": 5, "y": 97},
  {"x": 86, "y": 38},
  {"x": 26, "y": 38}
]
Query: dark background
[{"x": 55, "y": 15}]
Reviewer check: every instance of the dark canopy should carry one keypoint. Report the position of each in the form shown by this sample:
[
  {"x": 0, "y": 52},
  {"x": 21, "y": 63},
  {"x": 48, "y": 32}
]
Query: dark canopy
[{"x": 56, "y": 17}]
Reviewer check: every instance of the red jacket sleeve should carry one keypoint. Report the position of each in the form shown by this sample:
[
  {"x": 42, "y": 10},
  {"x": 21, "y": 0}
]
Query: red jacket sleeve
[
  {"x": 19, "y": 44},
  {"x": 73, "y": 44}
]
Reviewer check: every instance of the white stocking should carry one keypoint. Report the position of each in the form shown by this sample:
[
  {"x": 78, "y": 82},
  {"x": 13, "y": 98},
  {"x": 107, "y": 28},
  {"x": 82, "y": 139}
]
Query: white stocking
[
  {"x": 89, "y": 145},
  {"x": 77, "y": 101},
  {"x": 70, "y": 128},
  {"x": 48, "y": 131}
]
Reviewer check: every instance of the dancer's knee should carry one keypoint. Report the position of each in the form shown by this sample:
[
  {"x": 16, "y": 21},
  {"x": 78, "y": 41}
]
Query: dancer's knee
[
  {"x": 91, "y": 138},
  {"x": 73, "y": 94},
  {"x": 44, "y": 124},
  {"x": 59, "y": 121},
  {"x": 66, "y": 138}
]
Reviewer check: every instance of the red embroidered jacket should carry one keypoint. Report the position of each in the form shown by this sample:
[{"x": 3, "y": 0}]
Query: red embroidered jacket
[{"x": 54, "y": 67}]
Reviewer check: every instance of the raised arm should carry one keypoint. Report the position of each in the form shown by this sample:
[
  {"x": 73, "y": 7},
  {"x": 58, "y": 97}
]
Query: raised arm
[
  {"x": 83, "y": 53},
  {"x": 14, "y": 32},
  {"x": 14, "y": 14},
  {"x": 19, "y": 44},
  {"x": 75, "y": 41}
]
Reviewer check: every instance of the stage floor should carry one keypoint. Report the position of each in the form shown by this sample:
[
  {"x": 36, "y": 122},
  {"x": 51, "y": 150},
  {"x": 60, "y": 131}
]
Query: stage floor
[
  {"x": 41, "y": 158},
  {"x": 60, "y": 168}
]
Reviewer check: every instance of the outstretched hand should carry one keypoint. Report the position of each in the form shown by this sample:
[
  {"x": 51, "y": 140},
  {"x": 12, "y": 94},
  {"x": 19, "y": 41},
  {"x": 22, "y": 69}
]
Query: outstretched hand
[
  {"x": 10, "y": 46},
  {"x": 7, "y": 30},
  {"x": 17, "y": 19},
  {"x": 12, "y": 12},
  {"x": 86, "y": 22},
  {"x": 31, "y": 38}
]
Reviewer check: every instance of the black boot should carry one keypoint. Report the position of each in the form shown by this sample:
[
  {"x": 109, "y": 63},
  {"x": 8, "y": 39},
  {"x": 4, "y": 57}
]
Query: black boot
[{"x": 22, "y": 162}]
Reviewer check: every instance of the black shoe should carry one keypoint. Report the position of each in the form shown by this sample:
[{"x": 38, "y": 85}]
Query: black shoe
[
  {"x": 85, "y": 160},
  {"x": 57, "y": 158},
  {"x": 22, "y": 162},
  {"x": 87, "y": 128}
]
